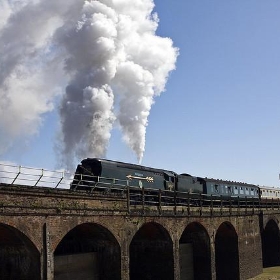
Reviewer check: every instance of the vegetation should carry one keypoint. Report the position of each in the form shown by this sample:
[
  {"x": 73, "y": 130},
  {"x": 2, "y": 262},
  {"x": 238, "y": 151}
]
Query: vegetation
[{"x": 269, "y": 273}]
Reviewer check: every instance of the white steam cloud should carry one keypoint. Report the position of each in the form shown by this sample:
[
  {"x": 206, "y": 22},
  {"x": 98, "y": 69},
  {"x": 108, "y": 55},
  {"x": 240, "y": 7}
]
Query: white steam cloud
[{"x": 102, "y": 58}]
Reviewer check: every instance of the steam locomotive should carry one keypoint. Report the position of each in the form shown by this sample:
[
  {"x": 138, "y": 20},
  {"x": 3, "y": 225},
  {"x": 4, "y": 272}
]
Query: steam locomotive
[{"x": 97, "y": 174}]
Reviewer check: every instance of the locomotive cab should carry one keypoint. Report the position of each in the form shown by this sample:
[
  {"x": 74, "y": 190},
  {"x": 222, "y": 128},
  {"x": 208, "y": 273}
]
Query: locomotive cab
[
  {"x": 169, "y": 181},
  {"x": 86, "y": 174}
]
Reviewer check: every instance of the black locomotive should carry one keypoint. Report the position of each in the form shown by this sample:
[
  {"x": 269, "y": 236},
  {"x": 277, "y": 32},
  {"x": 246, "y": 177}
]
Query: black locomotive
[{"x": 96, "y": 174}]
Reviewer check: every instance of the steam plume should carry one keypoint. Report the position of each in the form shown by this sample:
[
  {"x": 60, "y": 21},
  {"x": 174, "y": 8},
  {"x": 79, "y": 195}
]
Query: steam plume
[{"x": 104, "y": 53}]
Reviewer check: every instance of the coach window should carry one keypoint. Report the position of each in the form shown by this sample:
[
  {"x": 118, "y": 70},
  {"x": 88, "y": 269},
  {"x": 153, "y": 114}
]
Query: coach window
[
  {"x": 216, "y": 188},
  {"x": 226, "y": 188}
]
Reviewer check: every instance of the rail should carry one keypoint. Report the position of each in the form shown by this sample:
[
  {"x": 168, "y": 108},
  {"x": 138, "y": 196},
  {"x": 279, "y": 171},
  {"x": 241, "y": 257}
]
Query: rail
[{"x": 21, "y": 175}]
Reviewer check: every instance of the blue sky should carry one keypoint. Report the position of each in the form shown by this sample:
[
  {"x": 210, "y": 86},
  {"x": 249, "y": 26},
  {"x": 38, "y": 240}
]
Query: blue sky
[{"x": 219, "y": 116}]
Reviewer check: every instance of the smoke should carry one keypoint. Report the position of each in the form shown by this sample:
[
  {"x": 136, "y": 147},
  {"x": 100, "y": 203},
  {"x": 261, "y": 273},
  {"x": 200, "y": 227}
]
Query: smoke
[{"x": 101, "y": 59}]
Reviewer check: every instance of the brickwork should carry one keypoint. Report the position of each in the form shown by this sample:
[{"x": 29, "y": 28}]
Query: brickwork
[{"x": 46, "y": 215}]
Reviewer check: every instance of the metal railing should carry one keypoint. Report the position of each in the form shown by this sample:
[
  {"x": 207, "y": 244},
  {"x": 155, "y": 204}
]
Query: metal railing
[
  {"x": 135, "y": 195},
  {"x": 159, "y": 197},
  {"x": 28, "y": 176}
]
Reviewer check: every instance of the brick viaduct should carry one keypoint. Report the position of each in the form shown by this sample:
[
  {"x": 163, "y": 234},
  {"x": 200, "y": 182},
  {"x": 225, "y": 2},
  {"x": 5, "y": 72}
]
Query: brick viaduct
[{"x": 55, "y": 233}]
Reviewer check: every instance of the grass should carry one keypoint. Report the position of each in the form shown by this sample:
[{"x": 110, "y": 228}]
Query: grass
[{"x": 269, "y": 273}]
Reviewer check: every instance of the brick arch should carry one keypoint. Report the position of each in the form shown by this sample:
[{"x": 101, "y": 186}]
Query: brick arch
[
  {"x": 133, "y": 230},
  {"x": 269, "y": 219},
  {"x": 150, "y": 247},
  {"x": 19, "y": 257},
  {"x": 271, "y": 243},
  {"x": 183, "y": 227},
  {"x": 226, "y": 252},
  {"x": 98, "y": 226},
  {"x": 91, "y": 244},
  {"x": 161, "y": 226},
  {"x": 27, "y": 229},
  {"x": 195, "y": 252},
  {"x": 66, "y": 228},
  {"x": 229, "y": 225},
  {"x": 22, "y": 233}
]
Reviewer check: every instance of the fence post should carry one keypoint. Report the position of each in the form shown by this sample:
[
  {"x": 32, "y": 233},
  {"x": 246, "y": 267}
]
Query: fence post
[
  {"x": 19, "y": 171},
  {"x": 200, "y": 204},
  {"x": 189, "y": 210},
  {"x": 128, "y": 198},
  {"x": 211, "y": 205},
  {"x": 238, "y": 204},
  {"x": 230, "y": 206},
  {"x": 175, "y": 202},
  {"x": 143, "y": 200},
  {"x": 159, "y": 201}
]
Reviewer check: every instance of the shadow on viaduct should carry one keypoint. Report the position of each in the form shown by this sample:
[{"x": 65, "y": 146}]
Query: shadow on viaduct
[{"x": 61, "y": 234}]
